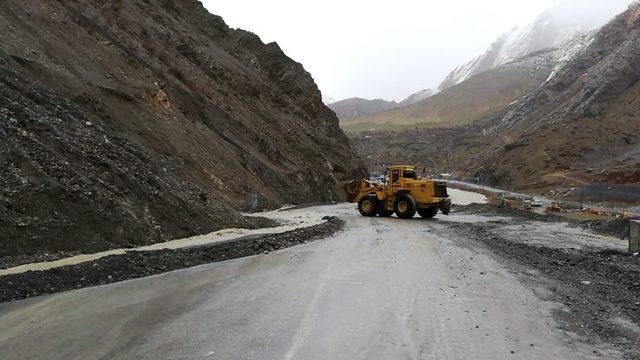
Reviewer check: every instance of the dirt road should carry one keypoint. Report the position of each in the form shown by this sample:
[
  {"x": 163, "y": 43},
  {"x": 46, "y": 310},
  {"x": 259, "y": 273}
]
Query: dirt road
[{"x": 380, "y": 289}]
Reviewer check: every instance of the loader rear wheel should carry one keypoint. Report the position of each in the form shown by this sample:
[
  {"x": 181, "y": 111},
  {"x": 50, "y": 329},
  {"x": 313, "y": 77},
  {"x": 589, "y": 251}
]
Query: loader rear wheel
[
  {"x": 368, "y": 206},
  {"x": 405, "y": 207},
  {"x": 429, "y": 213}
]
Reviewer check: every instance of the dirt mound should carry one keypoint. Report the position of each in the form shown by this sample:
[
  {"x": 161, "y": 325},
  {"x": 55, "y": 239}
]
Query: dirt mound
[
  {"x": 618, "y": 227},
  {"x": 130, "y": 122}
]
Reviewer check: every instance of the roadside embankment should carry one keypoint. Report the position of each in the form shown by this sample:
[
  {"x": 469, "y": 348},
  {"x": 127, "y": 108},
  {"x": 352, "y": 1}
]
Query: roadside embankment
[{"x": 598, "y": 282}]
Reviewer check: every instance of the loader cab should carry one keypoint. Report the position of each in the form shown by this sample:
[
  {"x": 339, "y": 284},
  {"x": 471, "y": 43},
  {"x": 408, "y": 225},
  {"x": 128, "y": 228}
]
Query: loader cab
[{"x": 397, "y": 175}]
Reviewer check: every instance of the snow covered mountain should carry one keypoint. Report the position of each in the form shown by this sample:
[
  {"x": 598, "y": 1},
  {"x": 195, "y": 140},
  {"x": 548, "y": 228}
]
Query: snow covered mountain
[
  {"x": 417, "y": 97},
  {"x": 565, "y": 26}
]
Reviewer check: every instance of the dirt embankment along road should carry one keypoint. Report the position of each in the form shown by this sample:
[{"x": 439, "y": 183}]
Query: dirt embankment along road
[{"x": 489, "y": 284}]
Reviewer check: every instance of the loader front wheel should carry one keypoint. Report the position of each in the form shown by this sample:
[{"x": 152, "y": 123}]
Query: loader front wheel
[
  {"x": 405, "y": 207},
  {"x": 368, "y": 206}
]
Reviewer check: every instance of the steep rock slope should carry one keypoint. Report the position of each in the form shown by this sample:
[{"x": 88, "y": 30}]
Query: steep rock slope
[
  {"x": 357, "y": 106},
  {"x": 131, "y": 122},
  {"x": 478, "y": 97}
]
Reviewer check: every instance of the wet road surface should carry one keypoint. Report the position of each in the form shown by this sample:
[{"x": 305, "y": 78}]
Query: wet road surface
[{"x": 380, "y": 289}]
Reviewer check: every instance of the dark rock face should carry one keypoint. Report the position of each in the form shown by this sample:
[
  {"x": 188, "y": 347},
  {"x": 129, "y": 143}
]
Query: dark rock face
[{"x": 131, "y": 122}]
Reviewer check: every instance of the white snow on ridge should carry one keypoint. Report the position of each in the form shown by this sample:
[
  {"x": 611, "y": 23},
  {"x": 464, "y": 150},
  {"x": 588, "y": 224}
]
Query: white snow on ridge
[{"x": 564, "y": 27}]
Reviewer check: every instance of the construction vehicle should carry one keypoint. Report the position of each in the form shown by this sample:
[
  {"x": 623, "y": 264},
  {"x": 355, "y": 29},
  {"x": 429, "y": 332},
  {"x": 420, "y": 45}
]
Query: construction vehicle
[
  {"x": 403, "y": 194},
  {"x": 554, "y": 208},
  {"x": 624, "y": 214}
]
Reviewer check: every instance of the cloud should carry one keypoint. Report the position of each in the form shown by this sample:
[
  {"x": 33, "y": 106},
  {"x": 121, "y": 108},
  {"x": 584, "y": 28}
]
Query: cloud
[{"x": 384, "y": 49}]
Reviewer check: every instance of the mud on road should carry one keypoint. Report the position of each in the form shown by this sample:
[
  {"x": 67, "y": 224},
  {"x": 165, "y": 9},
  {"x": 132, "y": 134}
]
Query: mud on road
[
  {"x": 598, "y": 286},
  {"x": 133, "y": 265},
  {"x": 479, "y": 249}
]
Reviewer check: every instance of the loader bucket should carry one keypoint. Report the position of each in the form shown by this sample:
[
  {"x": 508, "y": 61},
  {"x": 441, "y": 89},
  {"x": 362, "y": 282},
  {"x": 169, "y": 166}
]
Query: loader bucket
[{"x": 352, "y": 189}]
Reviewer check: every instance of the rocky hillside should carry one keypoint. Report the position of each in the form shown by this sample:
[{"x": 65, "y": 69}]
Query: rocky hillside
[
  {"x": 132, "y": 122},
  {"x": 357, "y": 106},
  {"x": 565, "y": 27},
  {"x": 481, "y": 96},
  {"x": 583, "y": 122}
]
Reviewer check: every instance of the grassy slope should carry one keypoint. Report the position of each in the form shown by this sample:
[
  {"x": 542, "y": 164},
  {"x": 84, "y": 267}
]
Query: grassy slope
[{"x": 475, "y": 98}]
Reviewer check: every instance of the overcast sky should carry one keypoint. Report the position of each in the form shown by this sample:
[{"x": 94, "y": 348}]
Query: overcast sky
[{"x": 380, "y": 49}]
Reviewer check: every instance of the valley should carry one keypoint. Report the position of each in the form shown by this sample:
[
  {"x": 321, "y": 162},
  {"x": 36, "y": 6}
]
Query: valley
[
  {"x": 560, "y": 118},
  {"x": 176, "y": 187}
]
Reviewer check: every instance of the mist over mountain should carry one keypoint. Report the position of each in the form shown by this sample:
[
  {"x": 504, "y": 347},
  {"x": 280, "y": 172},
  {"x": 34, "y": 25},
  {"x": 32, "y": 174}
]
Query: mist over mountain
[
  {"x": 559, "y": 27},
  {"x": 417, "y": 97}
]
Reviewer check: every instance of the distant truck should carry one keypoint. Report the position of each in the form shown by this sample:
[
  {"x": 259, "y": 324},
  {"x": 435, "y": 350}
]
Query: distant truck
[{"x": 404, "y": 193}]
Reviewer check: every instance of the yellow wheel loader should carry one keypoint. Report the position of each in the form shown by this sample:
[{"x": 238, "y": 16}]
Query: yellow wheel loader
[{"x": 403, "y": 194}]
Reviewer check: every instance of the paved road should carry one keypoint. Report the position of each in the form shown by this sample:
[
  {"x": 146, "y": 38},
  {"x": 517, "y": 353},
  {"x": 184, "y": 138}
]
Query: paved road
[{"x": 382, "y": 289}]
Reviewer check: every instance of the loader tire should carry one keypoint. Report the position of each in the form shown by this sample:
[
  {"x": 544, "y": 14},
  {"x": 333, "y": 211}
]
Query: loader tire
[
  {"x": 429, "y": 213},
  {"x": 368, "y": 206},
  {"x": 405, "y": 207}
]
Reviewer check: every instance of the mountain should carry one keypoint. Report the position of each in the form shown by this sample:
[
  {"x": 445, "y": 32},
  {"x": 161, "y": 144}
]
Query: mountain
[
  {"x": 132, "y": 122},
  {"x": 327, "y": 100},
  {"x": 417, "y": 97},
  {"x": 478, "y": 97},
  {"x": 584, "y": 118},
  {"x": 357, "y": 106},
  {"x": 578, "y": 128},
  {"x": 555, "y": 28}
]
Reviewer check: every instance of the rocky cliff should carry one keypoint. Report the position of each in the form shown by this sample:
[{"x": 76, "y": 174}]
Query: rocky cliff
[{"x": 131, "y": 122}]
